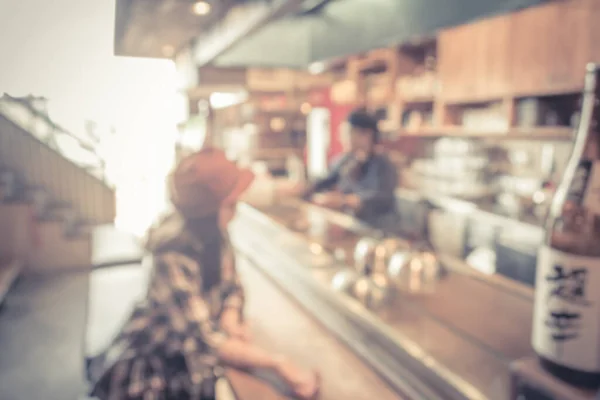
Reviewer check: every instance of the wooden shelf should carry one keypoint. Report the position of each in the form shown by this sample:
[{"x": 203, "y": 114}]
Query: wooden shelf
[
  {"x": 536, "y": 133},
  {"x": 543, "y": 132},
  {"x": 497, "y": 61},
  {"x": 475, "y": 100},
  {"x": 417, "y": 100},
  {"x": 433, "y": 131}
]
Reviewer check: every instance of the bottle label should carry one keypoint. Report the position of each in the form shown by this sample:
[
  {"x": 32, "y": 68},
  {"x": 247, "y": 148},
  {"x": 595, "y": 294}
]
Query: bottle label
[
  {"x": 566, "y": 319},
  {"x": 579, "y": 184}
]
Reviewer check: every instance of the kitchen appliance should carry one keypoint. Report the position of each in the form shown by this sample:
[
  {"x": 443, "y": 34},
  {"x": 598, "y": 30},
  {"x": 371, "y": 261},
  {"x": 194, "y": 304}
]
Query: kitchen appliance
[
  {"x": 368, "y": 281},
  {"x": 458, "y": 168}
]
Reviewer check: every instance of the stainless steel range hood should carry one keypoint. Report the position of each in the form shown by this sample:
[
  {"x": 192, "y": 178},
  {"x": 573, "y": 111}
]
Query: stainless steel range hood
[{"x": 344, "y": 27}]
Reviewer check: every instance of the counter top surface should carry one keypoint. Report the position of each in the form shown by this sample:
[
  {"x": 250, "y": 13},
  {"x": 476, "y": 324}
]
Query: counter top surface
[
  {"x": 470, "y": 325},
  {"x": 281, "y": 326},
  {"x": 474, "y": 340}
]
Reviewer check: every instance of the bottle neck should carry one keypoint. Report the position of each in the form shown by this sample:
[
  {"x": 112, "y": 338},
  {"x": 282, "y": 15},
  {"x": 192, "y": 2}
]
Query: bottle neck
[
  {"x": 585, "y": 146},
  {"x": 574, "y": 224}
]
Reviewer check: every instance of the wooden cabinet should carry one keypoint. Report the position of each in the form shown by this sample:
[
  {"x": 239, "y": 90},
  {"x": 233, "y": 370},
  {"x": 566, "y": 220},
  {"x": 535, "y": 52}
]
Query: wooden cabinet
[
  {"x": 594, "y": 36},
  {"x": 570, "y": 46},
  {"x": 550, "y": 47},
  {"x": 494, "y": 67},
  {"x": 536, "y": 51},
  {"x": 530, "y": 50},
  {"x": 473, "y": 60},
  {"x": 456, "y": 81}
]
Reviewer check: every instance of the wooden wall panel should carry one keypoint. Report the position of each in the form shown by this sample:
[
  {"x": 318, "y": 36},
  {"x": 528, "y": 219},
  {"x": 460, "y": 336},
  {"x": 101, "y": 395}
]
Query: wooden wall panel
[
  {"x": 530, "y": 51},
  {"x": 594, "y": 33},
  {"x": 570, "y": 46},
  {"x": 495, "y": 66},
  {"x": 536, "y": 51}
]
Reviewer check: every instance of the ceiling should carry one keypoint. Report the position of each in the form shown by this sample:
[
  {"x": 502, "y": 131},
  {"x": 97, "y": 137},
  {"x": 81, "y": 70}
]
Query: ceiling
[
  {"x": 346, "y": 27},
  {"x": 287, "y": 33},
  {"x": 163, "y": 28},
  {"x": 281, "y": 43},
  {"x": 159, "y": 28}
]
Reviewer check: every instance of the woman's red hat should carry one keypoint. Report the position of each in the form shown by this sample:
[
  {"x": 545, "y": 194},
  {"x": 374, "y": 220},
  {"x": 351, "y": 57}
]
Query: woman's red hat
[{"x": 205, "y": 180}]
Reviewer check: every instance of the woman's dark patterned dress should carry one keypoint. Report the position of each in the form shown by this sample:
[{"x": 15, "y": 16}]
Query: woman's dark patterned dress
[{"x": 166, "y": 350}]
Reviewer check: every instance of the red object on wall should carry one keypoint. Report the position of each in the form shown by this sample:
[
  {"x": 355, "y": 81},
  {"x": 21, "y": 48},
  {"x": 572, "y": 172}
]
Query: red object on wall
[{"x": 339, "y": 113}]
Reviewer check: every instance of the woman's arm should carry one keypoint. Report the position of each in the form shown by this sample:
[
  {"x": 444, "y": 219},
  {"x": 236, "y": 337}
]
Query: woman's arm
[
  {"x": 330, "y": 180},
  {"x": 179, "y": 271}
]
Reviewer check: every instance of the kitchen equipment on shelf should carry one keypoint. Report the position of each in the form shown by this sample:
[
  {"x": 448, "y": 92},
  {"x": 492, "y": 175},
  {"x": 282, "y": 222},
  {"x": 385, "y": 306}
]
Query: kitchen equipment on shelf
[
  {"x": 383, "y": 252},
  {"x": 321, "y": 258},
  {"x": 364, "y": 255},
  {"x": 344, "y": 281},
  {"x": 458, "y": 167},
  {"x": 370, "y": 292},
  {"x": 524, "y": 196},
  {"x": 364, "y": 258},
  {"x": 368, "y": 281},
  {"x": 447, "y": 231},
  {"x": 415, "y": 271},
  {"x": 370, "y": 257},
  {"x": 483, "y": 259},
  {"x": 339, "y": 254}
]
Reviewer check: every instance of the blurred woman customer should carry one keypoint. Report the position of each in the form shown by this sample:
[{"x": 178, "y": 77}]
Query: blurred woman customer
[{"x": 191, "y": 321}]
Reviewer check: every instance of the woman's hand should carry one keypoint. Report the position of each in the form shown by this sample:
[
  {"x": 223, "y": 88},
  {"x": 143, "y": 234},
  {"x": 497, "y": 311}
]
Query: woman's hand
[
  {"x": 330, "y": 200},
  {"x": 232, "y": 325},
  {"x": 289, "y": 189},
  {"x": 352, "y": 201},
  {"x": 243, "y": 333},
  {"x": 337, "y": 200}
]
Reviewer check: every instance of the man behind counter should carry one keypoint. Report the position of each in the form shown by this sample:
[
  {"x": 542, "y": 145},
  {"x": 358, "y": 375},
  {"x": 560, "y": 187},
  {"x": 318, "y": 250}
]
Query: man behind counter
[{"x": 361, "y": 181}]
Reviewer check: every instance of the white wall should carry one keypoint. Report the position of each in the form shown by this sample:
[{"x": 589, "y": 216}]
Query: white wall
[{"x": 63, "y": 49}]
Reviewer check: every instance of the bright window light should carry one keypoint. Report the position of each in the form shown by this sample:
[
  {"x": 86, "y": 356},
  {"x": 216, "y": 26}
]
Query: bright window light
[
  {"x": 227, "y": 99},
  {"x": 201, "y": 8}
]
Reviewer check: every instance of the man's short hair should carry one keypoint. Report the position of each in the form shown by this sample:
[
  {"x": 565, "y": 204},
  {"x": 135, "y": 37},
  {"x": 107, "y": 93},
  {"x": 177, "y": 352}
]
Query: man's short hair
[{"x": 362, "y": 119}]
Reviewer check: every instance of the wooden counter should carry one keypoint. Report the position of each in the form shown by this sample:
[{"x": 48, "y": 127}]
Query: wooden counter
[
  {"x": 459, "y": 340},
  {"x": 281, "y": 326},
  {"x": 459, "y": 327}
]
